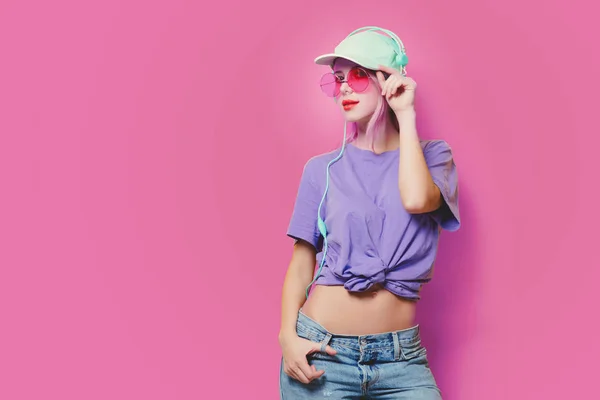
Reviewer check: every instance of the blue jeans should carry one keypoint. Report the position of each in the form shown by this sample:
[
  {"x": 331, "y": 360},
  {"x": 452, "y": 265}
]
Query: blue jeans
[{"x": 389, "y": 365}]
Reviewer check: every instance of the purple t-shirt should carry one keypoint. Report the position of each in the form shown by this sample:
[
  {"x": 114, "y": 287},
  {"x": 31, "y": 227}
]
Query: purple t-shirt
[{"x": 371, "y": 237}]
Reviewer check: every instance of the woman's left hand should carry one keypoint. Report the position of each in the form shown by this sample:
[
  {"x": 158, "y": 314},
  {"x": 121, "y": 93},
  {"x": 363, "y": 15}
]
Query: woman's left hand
[{"x": 398, "y": 90}]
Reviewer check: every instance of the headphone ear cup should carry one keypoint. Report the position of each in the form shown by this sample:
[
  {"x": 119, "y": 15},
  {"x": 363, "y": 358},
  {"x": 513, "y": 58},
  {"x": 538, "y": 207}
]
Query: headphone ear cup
[{"x": 402, "y": 59}]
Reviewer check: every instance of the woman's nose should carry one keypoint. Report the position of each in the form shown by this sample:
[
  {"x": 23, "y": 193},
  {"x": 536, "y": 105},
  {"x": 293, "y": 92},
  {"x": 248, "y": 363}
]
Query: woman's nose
[{"x": 345, "y": 88}]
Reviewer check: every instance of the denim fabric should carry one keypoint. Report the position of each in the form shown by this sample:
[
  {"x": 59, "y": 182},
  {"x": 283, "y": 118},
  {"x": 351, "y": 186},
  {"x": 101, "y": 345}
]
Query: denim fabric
[{"x": 391, "y": 365}]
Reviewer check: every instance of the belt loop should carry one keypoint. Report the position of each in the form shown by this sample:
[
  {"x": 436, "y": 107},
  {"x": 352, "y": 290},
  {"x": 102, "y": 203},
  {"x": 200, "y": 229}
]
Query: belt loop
[
  {"x": 396, "y": 346},
  {"x": 325, "y": 342}
]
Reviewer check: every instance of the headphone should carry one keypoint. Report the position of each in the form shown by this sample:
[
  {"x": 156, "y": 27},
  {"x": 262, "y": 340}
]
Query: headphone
[
  {"x": 401, "y": 59},
  {"x": 400, "y": 62}
]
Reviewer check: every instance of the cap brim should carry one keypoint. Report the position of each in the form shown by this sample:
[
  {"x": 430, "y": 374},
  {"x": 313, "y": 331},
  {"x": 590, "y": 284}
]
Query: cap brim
[{"x": 328, "y": 59}]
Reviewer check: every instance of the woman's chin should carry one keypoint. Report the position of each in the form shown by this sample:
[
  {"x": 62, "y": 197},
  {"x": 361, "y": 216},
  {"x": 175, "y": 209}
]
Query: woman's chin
[{"x": 350, "y": 116}]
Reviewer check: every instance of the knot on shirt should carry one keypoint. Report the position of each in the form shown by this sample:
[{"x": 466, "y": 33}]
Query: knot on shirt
[
  {"x": 361, "y": 283},
  {"x": 359, "y": 264}
]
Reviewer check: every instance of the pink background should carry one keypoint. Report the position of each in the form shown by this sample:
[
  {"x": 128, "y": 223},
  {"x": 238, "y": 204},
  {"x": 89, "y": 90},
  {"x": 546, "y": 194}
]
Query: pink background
[{"x": 150, "y": 155}]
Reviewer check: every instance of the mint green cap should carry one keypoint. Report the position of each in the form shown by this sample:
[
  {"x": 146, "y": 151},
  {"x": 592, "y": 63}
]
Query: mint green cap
[{"x": 369, "y": 48}]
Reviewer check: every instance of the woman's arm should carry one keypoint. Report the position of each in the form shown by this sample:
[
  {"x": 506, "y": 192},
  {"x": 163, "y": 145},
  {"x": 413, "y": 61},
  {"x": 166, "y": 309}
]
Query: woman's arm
[
  {"x": 294, "y": 348},
  {"x": 419, "y": 194},
  {"x": 299, "y": 275},
  {"x": 418, "y": 191}
]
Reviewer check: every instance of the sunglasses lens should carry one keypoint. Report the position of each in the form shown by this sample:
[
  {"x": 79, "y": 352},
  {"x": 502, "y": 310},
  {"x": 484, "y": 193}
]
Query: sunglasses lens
[
  {"x": 358, "y": 79},
  {"x": 330, "y": 85}
]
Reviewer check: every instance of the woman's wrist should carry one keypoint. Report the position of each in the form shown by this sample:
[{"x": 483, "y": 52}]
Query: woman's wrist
[
  {"x": 406, "y": 116},
  {"x": 286, "y": 333}
]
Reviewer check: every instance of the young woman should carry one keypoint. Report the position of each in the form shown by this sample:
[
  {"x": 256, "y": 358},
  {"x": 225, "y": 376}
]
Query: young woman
[{"x": 370, "y": 215}]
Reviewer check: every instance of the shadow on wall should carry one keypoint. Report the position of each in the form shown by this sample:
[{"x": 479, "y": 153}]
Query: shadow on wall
[{"x": 446, "y": 311}]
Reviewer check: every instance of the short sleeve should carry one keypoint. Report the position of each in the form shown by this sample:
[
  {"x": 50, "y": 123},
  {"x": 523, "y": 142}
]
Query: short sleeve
[
  {"x": 440, "y": 161},
  {"x": 303, "y": 223}
]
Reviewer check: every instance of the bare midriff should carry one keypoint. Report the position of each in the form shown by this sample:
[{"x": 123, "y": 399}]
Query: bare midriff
[{"x": 349, "y": 313}]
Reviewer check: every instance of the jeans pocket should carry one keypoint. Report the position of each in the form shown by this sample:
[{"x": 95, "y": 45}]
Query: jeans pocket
[{"x": 413, "y": 349}]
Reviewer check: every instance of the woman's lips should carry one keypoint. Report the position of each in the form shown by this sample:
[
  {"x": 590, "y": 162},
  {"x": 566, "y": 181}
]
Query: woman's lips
[{"x": 348, "y": 104}]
